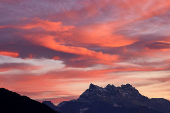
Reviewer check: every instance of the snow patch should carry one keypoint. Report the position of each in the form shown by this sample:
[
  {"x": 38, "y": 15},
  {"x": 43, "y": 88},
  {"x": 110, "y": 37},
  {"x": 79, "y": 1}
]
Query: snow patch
[
  {"x": 115, "y": 105},
  {"x": 83, "y": 110}
]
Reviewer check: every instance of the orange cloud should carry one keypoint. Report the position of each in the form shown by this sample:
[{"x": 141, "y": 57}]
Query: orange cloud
[
  {"x": 102, "y": 35},
  {"x": 1, "y": 27},
  {"x": 49, "y": 42},
  {"x": 56, "y": 58},
  {"x": 32, "y": 56},
  {"x": 11, "y": 54},
  {"x": 47, "y": 25}
]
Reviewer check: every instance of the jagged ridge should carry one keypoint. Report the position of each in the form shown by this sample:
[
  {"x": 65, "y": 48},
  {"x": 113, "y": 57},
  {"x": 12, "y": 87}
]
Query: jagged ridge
[{"x": 122, "y": 99}]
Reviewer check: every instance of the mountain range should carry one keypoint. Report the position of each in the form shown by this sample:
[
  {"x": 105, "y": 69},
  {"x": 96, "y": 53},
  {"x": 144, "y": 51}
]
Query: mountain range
[{"x": 111, "y": 99}]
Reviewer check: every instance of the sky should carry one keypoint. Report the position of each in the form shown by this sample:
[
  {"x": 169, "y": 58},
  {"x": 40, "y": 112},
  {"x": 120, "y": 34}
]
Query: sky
[{"x": 53, "y": 49}]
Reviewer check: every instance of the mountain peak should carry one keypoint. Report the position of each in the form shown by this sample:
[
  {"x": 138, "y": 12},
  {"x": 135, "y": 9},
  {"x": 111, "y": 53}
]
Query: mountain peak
[
  {"x": 110, "y": 86},
  {"x": 127, "y": 86},
  {"x": 92, "y": 86}
]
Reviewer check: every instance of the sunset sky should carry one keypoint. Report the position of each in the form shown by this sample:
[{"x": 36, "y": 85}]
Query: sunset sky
[{"x": 53, "y": 49}]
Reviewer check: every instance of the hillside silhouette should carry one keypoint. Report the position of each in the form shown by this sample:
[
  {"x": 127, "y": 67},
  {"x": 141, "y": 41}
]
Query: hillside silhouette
[{"x": 11, "y": 102}]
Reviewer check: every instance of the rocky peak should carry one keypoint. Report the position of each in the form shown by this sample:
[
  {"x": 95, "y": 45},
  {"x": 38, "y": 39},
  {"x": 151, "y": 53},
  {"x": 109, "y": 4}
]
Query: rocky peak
[
  {"x": 110, "y": 87},
  {"x": 126, "y": 86},
  {"x": 92, "y": 86},
  {"x": 129, "y": 89},
  {"x": 111, "y": 92}
]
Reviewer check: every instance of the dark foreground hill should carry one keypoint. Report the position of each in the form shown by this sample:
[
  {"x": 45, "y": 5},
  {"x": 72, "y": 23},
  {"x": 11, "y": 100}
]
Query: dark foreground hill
[
  {"x": 11, "y": 102},
  {"x": 111, "y": 99}
]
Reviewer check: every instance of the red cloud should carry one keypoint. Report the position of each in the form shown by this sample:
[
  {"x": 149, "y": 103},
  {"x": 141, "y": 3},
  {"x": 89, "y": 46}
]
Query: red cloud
[{"x": 11, "y": 54}]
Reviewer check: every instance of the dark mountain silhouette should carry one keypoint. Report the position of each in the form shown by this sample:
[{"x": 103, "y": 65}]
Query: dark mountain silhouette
[
  {"x": 49, "y": 103},
  {"x": 111, "y": 99},
  {"x": 11, "y": 102}
]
